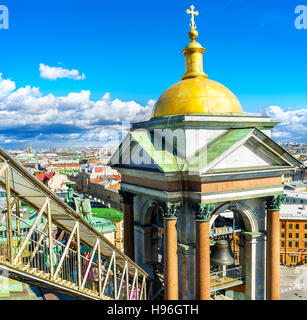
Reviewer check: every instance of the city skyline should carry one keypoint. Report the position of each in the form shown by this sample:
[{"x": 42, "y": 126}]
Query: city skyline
[{"x": 74, "y": 72}]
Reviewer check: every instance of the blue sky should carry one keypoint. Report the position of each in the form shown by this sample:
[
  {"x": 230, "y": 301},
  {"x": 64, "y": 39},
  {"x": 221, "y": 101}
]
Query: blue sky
[{"x": 126, "y": 53}]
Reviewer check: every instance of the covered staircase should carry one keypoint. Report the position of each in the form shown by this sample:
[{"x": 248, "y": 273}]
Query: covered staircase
[{"x": 86, "y": 266}]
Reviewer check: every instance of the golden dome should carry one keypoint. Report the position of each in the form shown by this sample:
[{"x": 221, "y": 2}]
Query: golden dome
[
  {"x": 196, "y": 96},
  {"x": 195, "y": 93}
]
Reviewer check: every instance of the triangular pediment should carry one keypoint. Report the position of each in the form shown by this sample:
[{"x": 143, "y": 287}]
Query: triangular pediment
[
  {"x": 244, "y": 156},
  {"x": 231, "y": 151},
  {"x": 246, "y": 149},
  {"x": 250, "y": 154}
]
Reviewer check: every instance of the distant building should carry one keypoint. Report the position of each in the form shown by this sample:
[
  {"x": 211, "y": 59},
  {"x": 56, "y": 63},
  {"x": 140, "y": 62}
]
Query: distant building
[
  {"x": 56, "y": 167},
  {"x": 105, "y": 188},
  {"x": 293, "y": 227},
  {"x": 297, "y": 186}
]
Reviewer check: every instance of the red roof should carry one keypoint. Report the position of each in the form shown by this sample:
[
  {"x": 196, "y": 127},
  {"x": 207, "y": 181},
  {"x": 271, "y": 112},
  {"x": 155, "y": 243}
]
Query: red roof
[
  {"x": 96, "y": 180},
  {"x": 45, "y": 176}
]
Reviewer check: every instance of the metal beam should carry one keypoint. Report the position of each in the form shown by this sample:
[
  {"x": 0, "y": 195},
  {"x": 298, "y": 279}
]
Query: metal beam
[
  {"x": 79, "y": 257},
  {"x": 30, "y": 232},
  {"x": 127, "y": 282},
  {"x": 142, "y": 289},
  {"x": 14, "y": 202},
  {"x": 66, "y": 249},
  {"x": 99, "y": 271},
  {"x": 89, "y": 265},
  {"x": 51, "y": 253},
  {"x": 137, "y": 285},
  {"x": 114, "y": 276},
  {"x": 38, "y": 243},
  {"x": 3, "y": 167},
  {"x": 9, "y": 215},
  {"x": 18, "y": 222},
  {"x": 135, "y": 275},
  {"x": 108, "y": 272},
  {"x": 122, "y": 279}
]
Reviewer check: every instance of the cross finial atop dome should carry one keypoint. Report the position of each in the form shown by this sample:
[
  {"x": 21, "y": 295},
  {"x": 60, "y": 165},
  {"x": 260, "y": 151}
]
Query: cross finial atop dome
[
  {"x": 192, "y": 13},
  {"x": 193, "y": 34}
]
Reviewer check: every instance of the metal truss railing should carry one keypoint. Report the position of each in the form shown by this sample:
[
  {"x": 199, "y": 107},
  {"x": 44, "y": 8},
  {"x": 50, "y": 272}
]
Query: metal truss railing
[{"x": 101, "y": 272}]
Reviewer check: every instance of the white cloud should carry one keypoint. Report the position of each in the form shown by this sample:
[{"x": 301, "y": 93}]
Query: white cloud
[
  {"x": 28, "y": 115},
  {"x": 293, "y": 123},
  {"x": 6, "y": 87},
  {"x": 53, "y": 73},
  {"x": 280, "y": 134}
]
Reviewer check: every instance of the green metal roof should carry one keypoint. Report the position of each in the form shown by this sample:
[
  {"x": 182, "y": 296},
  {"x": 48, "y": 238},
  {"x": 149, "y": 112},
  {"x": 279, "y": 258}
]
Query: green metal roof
[
  {"x": 107, "y": 213},
  {"x": 169, "y": 162},
  {"x": 216, "y": 148},
  {"x": 103, "y": 225},
  {"x": 221, "y": 144},
  {"x": 165, "y": 160}
]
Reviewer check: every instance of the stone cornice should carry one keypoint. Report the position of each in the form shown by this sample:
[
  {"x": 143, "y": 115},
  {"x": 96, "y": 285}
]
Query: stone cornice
[
  {"x": 215, "y": 197},
  {"x": 207, "y": 121}
]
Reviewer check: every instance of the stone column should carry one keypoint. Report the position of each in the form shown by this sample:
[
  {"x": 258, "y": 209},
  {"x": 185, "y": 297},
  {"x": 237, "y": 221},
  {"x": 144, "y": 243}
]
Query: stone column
[
  {"x": 250, "y": 264},
  {"x": 273, "y": 248},
  {"x": 169, "y": 212},
  {"x": 128, "y": 224},
  {"x": 202, "y": 217}
]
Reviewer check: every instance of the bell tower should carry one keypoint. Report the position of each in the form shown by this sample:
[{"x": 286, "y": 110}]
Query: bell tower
[{"x": 202, "y": 186}]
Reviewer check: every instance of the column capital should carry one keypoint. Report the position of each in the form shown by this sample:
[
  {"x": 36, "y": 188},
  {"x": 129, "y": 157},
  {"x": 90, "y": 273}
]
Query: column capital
[
  {"x": 127, "y": 197},
  {"x": 169, "y": 209},
  {"x": 202, "y": 212},
  {"x": 274, "y": 203}
]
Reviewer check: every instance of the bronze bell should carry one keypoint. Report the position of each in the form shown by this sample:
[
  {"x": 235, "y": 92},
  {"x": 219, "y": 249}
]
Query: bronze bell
[{"x": 221, "y": 255}]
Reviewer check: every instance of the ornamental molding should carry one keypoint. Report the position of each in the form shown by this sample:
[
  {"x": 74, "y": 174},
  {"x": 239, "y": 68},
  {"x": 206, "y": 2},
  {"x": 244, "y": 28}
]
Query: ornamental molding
[
  {"x": 202, "y": 212},
  {"x": 274, "y": 203},
  {"x": 169, "y": 209}
]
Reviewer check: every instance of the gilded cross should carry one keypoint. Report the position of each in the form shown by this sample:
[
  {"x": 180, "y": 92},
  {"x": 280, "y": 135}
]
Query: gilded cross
[{"x": 192, "y": 13}]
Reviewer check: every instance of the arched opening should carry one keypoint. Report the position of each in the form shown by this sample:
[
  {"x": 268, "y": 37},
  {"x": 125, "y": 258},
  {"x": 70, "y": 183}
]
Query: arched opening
[
  {"x": 152, "y": 243},
  {"x": 228, "y": 228},
  {"x": 149, "y": 237}
]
